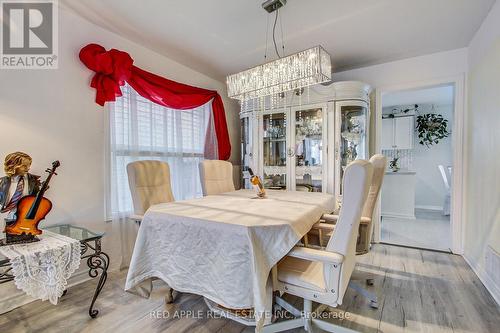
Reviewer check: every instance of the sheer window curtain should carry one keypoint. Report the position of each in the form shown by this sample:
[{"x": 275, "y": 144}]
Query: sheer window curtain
[{"x": 142, "y": 130}]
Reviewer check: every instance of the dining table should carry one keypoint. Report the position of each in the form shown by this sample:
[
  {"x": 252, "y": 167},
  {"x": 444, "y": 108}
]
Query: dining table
[{"x": 223, "y": 246}]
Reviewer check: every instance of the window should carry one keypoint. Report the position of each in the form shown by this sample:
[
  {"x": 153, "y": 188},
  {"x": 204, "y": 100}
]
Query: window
[{"x": 143, "y": 130}]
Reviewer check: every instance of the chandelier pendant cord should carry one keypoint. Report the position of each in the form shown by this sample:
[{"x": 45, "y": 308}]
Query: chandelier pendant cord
[
  {"x": 274, "y": 33},
  {"x": 282, "y": 39},
  {"x": 267, "y": 37},
  {"x": 292, "y": 73}
]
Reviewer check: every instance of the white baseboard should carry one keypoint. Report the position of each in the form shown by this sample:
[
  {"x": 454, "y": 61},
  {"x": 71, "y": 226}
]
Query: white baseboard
[
  {"x": 400, "y": 216},
  {"x": 488, "y": 282},
  {"x": 428, "y": 207}
]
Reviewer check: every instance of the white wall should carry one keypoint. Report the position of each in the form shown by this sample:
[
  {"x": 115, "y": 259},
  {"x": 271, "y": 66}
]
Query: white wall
[
  {"x": 411, "y": 70},
  {"x": 430, "y": 191},
  {"x": 51, "y": 114},
  {"x": 482, "y": 233},
  {"x": 436, "y": 66}
]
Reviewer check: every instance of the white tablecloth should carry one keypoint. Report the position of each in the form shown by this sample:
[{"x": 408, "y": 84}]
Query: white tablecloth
[{"x": 223, "y": 246}]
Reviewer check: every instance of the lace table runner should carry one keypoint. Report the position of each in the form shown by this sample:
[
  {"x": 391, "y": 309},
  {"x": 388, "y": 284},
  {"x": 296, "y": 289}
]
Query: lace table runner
[{"x": 42, "y": 269}]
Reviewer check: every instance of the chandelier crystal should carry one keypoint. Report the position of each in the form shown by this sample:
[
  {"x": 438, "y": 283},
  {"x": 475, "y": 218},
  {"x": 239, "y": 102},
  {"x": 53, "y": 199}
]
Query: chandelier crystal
[{"x": 296, "y": 71}]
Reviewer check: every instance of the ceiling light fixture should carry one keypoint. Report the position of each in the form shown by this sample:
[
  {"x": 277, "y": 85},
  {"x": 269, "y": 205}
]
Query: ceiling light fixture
[{"x": 296, "y": 71}]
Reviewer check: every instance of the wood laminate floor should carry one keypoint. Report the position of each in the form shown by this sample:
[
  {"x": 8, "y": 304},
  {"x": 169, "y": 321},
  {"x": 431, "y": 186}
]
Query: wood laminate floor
[{"x": 419, "y": 291}]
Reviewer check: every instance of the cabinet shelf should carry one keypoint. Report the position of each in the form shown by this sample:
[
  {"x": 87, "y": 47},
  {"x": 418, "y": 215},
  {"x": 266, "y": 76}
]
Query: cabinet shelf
[{"x": 266, "y": 139}]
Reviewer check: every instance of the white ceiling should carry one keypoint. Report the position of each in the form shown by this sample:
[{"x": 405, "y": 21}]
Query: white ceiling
[
  {"x": 442, "y": 95},
  {"x": 220, "y": 37}
]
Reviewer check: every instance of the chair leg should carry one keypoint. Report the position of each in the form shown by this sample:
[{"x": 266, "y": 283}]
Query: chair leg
[
  {"x": 307, "y": 315},
  {"x": 306, "y": 240},
  {"x": 287, "y": 306},
  {"x": 283, "y": 325},
  {"x": 307, "y": 319},
  {"x": 169, "y": 298},
  {"x": 320, "y": 309},
  {"x": 331, "y": 327},
  {"x": 365, "y": 293}
]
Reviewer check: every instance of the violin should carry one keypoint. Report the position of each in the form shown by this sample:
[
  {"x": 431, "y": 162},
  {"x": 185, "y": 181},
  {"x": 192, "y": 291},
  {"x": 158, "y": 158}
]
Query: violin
[{"x": 31, "y": 209}]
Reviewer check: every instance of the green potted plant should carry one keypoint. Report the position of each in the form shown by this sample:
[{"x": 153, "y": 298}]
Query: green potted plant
[{"x": 431, "y": 128}]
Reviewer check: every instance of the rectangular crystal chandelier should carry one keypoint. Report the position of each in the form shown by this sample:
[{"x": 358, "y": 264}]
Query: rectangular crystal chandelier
[{"x": 299, "y": 70}]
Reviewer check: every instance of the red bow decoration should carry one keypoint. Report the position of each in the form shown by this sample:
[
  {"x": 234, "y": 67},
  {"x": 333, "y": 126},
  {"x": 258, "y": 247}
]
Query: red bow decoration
[{"x": 112, "y": 68}]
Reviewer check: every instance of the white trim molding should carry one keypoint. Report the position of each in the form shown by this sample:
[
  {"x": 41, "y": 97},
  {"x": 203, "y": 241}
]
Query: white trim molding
[
  {"x": 492, "y": 287},
  {"x": 459, "y": 145},
  {"x": 399, "y": 216},
  {"x": 429, "y": 207}
]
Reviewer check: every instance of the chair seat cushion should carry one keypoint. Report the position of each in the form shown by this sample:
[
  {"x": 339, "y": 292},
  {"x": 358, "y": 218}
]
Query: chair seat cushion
[{"x": 302, "y": 273}]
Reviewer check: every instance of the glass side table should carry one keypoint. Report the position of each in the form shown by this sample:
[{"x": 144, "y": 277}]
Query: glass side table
[{"x": 90, "y": 243}]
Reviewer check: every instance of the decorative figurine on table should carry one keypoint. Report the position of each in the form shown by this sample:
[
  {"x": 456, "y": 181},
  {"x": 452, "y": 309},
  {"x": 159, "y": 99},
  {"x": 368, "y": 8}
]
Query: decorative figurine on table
[
  {"x": 21, "y": 198},
  {"x": 257, "y": 184}
]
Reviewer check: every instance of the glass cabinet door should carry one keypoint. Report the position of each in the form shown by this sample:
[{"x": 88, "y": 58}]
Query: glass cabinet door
[
  {"x": 352, "y": 122},
  {"x": 274, "y": 150},
  {"x": 308, "y": 149},
  {"x": 246, "y": 150}
]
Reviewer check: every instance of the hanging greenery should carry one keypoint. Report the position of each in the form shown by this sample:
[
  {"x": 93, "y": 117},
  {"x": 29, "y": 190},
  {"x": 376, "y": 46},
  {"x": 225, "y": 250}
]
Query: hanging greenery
[{"x": 431, "y": 128}]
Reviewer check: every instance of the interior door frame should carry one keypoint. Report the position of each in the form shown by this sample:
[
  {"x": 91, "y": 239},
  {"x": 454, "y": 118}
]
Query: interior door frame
[{"x": 459, "y": 146}]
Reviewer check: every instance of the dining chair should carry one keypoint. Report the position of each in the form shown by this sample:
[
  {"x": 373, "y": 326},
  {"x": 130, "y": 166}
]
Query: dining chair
[
  {"x": 304, "y": 188},
  {"x": 447, "y": 186},
  {"x": 216, "y": 177},
  {"x": 149, "y": 183},
  {"x": 363, "y": 243},
  {"x": 379, "y": 163},
  {"x": 323, "y": 275}
]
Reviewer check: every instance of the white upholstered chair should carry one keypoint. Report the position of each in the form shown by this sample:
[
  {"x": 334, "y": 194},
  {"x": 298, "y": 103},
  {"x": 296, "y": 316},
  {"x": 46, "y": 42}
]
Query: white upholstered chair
[
  {"x": 323, "y": 275},
  {"x": 379, "y": 163},
  {"x": 447, "y": 187},
  {"x": 216, "y": 177},
  {"x": 149, "y": 183}
]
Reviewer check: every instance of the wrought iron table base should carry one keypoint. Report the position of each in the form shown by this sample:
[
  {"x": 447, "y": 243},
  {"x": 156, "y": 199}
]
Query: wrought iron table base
[{"x": 96, "y": 261}]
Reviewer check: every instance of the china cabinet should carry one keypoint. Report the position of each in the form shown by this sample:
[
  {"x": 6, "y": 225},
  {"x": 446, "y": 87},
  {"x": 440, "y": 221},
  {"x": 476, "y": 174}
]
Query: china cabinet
[{"x": 304, "y": 140}]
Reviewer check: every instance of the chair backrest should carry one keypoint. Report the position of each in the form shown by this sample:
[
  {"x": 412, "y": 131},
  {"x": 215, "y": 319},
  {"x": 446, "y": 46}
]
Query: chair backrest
[
  {"x": 149, "y": 183},
  {"x": 356, "y": 183},
  {"x": 379, "y": 163},
  {"x": 216, "y": 177},
  {"x": 442, "y": 170}
]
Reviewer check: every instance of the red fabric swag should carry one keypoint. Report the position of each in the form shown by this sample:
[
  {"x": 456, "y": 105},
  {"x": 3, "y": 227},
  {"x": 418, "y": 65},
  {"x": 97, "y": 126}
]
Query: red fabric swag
[{"x": 113, "y": 68}]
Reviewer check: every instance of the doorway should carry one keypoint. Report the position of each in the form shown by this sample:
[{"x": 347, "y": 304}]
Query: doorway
[{"x": 417, "y": 138}]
